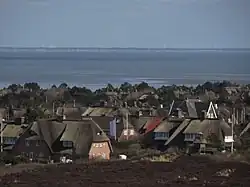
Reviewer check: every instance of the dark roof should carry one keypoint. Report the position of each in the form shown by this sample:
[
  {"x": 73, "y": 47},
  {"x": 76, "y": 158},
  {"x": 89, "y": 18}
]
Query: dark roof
[
  {"x": 48, "y": 130},
  {"x": 70, "y": 112},
  {"x": 245, "y": 129},
  {"x": 3, "y": 112},
  {"x": 208, "y": 127},
  {"x": 80, "y": 134},
  {"x": 200, "y": 107},
  {"x": 161, "y": 112},
  {"x": 134, "y": 96},
  {"x": 18, "y": 113},
  {"x": 99, "y": 111},
  {"x": 167, "y": 125},
  {"x": 11, "y": 130},
  {"x": 226, "y": 128},
  {"x": 194, "y": 127},
  {"x": 139, "y": 122},
  {"x": 99, "y": 135},
  {"x": 191, "y": 108},
  {"x": 103, "y": 121},
  {"x": 182, "y": 126}
]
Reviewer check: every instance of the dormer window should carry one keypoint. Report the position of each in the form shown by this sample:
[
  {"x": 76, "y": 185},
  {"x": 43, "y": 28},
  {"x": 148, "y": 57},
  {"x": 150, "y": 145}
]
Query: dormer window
[
  {"x": 9, "y": 140},
  {"x": 68, "y": 144}
]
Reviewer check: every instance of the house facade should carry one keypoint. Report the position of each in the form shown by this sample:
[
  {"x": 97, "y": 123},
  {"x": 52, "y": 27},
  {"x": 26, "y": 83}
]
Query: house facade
[
  {"x": 13, "y": 136},
  {"x": 100, "y": 149},
  {"x": 165, "y": 129},
  {"x": 33, "y": 148}
]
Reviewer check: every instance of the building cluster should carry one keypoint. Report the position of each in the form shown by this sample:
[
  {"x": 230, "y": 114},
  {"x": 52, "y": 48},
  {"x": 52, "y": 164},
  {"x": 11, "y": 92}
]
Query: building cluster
[{"x": 91, "y": 132}]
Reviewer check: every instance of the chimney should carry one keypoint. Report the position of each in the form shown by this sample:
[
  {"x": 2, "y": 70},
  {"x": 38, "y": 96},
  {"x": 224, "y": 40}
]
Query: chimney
[
  {"x": 139, "y": 113},
  {"x": 216, "y": 106},
  {"x": 135, "y": 104},
  {"x": 150, "y": 112},
  {"x": 62, "y": 111},
  {"x": 204, "y": 115},
  {"x": 180, "y": 115}
]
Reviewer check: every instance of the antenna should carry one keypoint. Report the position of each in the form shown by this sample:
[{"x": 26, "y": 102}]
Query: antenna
[
  {"x": 1, "y": 121},
  {"x": 233, "y": 121},
  {"x": 127, "y": 124},
  {"x": 171, "y": 107},
  {"x": 53, "y": 106}
]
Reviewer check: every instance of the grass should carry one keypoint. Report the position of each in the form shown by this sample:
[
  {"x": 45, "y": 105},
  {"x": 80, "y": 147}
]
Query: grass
[{"x": 162, "y": 158}]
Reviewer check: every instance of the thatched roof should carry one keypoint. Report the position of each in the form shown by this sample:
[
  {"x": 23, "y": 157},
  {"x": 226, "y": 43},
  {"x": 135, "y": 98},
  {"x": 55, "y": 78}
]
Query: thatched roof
[
  {"x": 191, "y": 108},
  {"x": 208, "y": 127},
  {"x": 245, "y": 129},
  {"x": 13, "y": 131},
  {"x": 166, "y": 126},
  {"x": 3, "y": 112},
  {"x": 139, "y": 122},
  {"x": 193, "y": 127},
  {"x": 71, "y": 112},
  {"x": 80, "y": 134},
  {"x": 18, "y": 113},
  {"x": 181, "y": 127},
  {"x": 48, "y": 130},
  {"x": 99, "y": 135},
  {"x": 99, "y": 111}
]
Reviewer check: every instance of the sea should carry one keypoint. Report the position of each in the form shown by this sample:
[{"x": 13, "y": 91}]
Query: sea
[{"x": 97, "y": 68}]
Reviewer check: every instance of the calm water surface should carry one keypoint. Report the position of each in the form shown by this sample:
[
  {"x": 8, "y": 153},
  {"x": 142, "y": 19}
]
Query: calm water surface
[{"x": 95, "y": 69}]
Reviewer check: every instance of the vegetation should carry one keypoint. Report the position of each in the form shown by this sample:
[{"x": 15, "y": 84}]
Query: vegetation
[{"x": 37, "y": 101}]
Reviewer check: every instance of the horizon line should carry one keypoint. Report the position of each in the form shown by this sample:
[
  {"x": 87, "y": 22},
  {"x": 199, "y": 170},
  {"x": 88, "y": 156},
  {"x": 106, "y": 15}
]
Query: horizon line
[
  {"x": 79, "y": 49},
  {"x": 135, "y": 48}
]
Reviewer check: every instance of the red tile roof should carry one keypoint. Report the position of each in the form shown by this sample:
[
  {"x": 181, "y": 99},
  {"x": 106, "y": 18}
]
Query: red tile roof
[{"x": 152, "y": 124}]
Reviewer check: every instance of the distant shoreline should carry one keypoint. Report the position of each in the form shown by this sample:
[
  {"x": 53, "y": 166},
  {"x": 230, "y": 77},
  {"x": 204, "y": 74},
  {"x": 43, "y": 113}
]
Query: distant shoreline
[
  {"x": 5, "y": 48},
  {"x": 94, "y": 87}
]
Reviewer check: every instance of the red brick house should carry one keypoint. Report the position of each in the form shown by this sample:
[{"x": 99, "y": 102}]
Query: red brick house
[{"x": 101, "y": 146}]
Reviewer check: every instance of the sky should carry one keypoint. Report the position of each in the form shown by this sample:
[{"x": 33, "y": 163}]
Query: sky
[{"x": 125, "y": 23}]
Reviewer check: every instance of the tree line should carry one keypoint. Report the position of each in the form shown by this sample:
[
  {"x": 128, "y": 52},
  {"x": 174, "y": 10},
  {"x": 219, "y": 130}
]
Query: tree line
[{"x": 33, "y": 95}]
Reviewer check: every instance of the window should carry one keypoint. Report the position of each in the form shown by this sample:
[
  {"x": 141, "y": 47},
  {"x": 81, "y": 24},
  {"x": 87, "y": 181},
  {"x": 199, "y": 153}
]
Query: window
[
  {"x": 100, "y": 145},
  {"x": 27, "y": 143},
  {"x": 9, "y": 140},
  {"x": 163, "y": 135},
  {"x": 190, "y": 137},
  {"x": 68, "y": 144},
  {"x": 125, "y": 132},
  {"x": 132, "y": 132}
]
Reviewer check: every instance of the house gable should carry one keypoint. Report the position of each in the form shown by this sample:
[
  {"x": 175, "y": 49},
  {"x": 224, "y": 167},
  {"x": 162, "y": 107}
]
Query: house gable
[
  {"x": 211, "y": 112},
  {"x": 100, "y": 149},
  {"x": 128, "y": 134}
]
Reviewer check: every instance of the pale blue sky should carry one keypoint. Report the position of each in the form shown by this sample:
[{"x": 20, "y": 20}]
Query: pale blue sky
[{"x": 125, "y": 23}]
